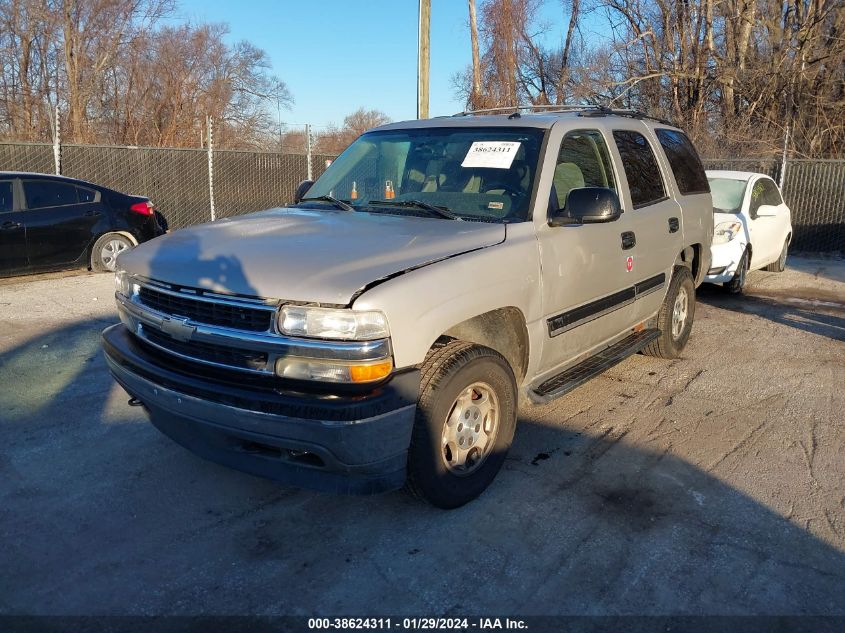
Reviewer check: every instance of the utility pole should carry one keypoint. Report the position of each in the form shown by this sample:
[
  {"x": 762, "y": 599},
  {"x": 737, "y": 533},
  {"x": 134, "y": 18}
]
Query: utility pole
[
  {"x": 476, "y": 59},
  {"x": 423, "y": 58}
]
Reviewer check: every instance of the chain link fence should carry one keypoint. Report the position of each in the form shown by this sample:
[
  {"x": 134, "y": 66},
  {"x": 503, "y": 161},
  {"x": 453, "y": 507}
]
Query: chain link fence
[
  {"x": 178, "y": 182},
  {"x": 34, "y": 157},
  {"x": 814, "y": 191}
]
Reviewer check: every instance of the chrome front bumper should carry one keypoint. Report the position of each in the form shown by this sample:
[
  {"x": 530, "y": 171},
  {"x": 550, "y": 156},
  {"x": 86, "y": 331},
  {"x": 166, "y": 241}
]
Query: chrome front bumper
[{"x": 336, "y": 443}]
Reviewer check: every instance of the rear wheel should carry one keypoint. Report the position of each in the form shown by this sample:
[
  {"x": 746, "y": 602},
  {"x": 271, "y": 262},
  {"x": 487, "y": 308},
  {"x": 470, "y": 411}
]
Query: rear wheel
[
  {"x": 779, "y": 264},
  {"x": 465, "y": 421},
  {"x": 675, "y": 317},
  {"x": 735, "y": 285},
  {"x": 106, "y": 249}
]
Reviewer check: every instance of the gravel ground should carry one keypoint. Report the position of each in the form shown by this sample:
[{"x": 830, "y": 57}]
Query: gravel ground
[{"x": 713, "y": 484}]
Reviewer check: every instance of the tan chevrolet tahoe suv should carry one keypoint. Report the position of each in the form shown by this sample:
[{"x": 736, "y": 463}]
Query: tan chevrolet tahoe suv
[{"x": 383, "y": 329}]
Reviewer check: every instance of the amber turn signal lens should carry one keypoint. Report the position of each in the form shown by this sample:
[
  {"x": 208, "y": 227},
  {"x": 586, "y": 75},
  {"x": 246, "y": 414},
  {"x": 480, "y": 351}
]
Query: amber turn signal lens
[{"x": 369, "y": 373}]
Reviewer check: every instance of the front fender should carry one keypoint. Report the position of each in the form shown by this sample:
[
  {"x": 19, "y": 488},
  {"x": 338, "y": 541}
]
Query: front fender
[{"x": 424, "y": 303}]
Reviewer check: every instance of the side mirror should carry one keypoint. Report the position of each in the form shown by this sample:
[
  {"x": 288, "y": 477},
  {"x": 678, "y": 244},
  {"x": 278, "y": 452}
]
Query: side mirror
[
  {"x": 588, "y": 205},
  {"x": 301, "y": 190},
  {"x": 767, "y": 211}
]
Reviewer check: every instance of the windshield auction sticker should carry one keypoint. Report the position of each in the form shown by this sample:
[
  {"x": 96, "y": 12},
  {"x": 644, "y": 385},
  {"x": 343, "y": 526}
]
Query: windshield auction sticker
[{"x": 492, "y": 154}]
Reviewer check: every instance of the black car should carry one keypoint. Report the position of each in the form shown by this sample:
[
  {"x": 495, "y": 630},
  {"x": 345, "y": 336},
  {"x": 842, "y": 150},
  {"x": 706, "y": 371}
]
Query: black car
[{"x": 54, "y": 223}]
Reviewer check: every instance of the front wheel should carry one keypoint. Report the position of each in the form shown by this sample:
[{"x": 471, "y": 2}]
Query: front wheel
[
  {"x": 675, "y": 317},
  {"x": 106, "y": 249},
  {"x": 737, "y": 283},
  {"x": 465, "y": 421}
]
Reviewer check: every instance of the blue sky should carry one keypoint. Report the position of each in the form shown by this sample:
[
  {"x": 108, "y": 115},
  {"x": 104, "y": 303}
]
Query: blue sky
[{"x": 337, "y": 56}]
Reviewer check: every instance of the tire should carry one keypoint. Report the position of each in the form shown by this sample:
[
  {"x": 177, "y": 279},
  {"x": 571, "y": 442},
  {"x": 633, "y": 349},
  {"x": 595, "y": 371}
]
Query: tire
[
  {"x": 779, "y": 264},
  {"x": 449, "y": 371},
  {"x": 106, "y": 249},
  {"x": 735, "y": 285},
  {"x": 670, "y": 344}
]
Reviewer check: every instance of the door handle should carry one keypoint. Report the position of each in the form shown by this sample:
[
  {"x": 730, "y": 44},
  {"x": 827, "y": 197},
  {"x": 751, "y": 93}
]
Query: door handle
[
  {"x": 92, "y": 212},
  {"x": 674, "y": 225},
  {"x": 629, "y": 240},
  {"x": 8, "y": 224}
]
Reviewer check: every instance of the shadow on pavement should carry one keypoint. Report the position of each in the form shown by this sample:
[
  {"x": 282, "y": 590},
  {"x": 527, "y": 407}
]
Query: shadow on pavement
[
  {"x": 816, "y": 318},
  {"x": 108, "y": 516}
]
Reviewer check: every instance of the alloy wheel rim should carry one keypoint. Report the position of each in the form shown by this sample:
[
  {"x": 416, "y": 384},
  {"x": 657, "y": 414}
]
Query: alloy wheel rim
[
  {"x": 679, "y": 313},
  {"x": 470, "y": 429},
  {"x": 110, "y": 251}
]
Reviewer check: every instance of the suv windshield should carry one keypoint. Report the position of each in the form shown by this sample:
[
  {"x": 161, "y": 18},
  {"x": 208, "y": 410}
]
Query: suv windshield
[
  {"x": 471, "y": 172},
  {"x": 727, "y": 194}
]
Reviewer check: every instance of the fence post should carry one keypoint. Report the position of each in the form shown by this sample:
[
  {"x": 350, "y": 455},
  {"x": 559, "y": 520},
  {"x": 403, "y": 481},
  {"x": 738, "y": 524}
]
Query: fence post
[
  {"x": 782, "y": 178},
  {"x": 310, "y": 173},
  {"x": 209, "y": 123},
  {"x": 57, "y": 145}
]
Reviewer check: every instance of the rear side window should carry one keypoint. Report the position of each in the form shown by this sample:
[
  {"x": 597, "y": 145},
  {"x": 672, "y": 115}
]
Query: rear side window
[
  {"x": 86, "y": 195},
  {"x": 6, "y": 201},
  {"x": 49, "y": 193},
  {"x": 640, "y": 164},
  {"x": 684, "y": 161}
]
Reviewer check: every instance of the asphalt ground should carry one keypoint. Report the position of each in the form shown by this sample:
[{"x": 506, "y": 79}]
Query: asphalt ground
[{"x": 712, "y": 484}]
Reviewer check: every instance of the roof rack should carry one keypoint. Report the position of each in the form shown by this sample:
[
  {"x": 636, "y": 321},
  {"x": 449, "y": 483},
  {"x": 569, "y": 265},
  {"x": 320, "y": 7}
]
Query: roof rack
[{"x": 582, "y": 110}]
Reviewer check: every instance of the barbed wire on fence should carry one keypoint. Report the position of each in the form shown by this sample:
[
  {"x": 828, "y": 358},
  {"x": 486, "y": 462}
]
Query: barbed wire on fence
[{"x": 177, "y": 180}]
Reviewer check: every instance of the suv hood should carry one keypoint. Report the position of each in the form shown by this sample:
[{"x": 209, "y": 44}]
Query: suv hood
[{"x": 321, "y": 256}]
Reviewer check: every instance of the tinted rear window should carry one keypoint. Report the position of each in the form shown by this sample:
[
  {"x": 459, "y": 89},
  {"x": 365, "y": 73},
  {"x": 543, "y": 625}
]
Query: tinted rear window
[
  {"x": 684, "y": 161},
  {"x": 49, "y": 193},
  {"x": 644, "y": 179},
  {"x": 6, "y": 195}
]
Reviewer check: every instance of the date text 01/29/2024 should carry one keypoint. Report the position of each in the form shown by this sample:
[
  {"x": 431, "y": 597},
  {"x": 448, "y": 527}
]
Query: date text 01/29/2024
[{"x": 436, "y": 624}]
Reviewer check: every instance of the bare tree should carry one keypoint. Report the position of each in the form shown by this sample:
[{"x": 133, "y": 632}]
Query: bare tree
[
  {"x": 336, "y": 139},
  {"x": 736, "y": 74},
  {"x": 118, "y": 76}
]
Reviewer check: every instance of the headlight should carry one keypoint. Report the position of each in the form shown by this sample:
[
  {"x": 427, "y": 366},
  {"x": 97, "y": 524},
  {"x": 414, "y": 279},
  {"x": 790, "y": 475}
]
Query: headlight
[
  {"x": 332, "y": 323},
  {"x": 725, "y": 231},
  {"x": 122, "y": 283}
]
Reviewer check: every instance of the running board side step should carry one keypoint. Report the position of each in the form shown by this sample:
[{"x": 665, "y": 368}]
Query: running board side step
[{"x": 577, "y": 375}]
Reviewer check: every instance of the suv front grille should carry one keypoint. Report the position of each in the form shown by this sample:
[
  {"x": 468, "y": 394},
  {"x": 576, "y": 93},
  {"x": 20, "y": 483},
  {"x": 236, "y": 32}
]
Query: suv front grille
[
  {"x": 230, "y": 356},
  {"x": 207, "y": 312}
]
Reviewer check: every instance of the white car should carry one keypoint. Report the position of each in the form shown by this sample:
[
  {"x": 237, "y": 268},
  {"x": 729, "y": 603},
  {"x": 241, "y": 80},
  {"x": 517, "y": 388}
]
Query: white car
[{"x": 752, "y": 227}]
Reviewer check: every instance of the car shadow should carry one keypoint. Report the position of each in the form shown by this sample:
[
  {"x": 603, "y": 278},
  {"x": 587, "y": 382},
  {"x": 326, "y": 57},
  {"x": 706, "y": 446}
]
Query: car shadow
[
  {"x": 824, "y": 319},
  {"x": 111, "y": 517}
]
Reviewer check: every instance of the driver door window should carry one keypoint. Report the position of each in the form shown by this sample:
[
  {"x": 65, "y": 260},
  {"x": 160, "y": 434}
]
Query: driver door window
[
  {"x": 764, "y": 191},
  {"x": 583, "y": 161}
]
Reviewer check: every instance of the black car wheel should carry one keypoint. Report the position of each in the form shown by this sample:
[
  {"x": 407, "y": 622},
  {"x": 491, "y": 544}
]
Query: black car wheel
[
  {"x": 106, "y": 249},
  {"x": 466, "y": 416},
  {"x": 675, "y": 317}
]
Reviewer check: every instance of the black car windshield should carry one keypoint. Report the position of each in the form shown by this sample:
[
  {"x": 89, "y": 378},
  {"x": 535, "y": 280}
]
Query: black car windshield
[
  {"x": 727, "y": 194},
  {"x": 471, "y": 172}
]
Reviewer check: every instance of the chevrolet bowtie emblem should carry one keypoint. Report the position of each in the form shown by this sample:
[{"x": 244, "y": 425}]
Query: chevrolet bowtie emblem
[{"x": 178, "y": 328}]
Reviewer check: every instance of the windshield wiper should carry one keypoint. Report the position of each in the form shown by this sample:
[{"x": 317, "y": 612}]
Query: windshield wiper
[
  {"x": 442, "y": 212},
  {"x": 340, "y": 204}
]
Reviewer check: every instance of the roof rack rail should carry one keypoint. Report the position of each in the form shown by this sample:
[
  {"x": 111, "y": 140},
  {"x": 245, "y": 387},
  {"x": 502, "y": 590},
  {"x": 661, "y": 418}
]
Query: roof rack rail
[
  {"x": 582, "y": 110},
  {"x": 541, "y": 107}
]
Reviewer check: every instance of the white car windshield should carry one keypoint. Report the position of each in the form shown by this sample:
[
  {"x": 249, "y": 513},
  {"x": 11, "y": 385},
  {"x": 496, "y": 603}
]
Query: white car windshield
[
  {"x": 727, "y": 194},
  {"x": 454, "y": 172}
]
